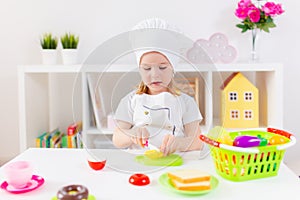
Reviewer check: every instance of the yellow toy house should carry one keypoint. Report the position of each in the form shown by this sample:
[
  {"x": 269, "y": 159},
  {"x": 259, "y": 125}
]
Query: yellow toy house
[{"x": 239, "y": 102}]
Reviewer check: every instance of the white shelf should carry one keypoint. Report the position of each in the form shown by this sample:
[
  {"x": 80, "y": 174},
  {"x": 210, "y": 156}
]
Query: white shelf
[
  {"x": 129, "y": 68},
  {"x": 50, "y": 68},
  {"x": 251, "y": 67},
  {"x": 41, "y": 108},
  {"x": 95, "y": 131}
]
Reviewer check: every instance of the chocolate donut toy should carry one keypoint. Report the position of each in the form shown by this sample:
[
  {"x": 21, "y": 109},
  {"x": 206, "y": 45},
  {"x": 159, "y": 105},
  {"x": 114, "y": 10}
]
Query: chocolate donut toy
[{"x": 73, "y": 192}]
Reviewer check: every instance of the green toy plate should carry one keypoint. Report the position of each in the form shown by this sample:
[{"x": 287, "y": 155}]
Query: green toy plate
[
  {"x": 170, "y": 160},
  {"x": 165, "y": 182},
  {"x": 91, "y": 197}
]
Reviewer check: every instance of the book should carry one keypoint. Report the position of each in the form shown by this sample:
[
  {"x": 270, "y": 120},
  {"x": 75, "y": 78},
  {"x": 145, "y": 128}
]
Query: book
[
  {"x": 71, "y": 141},
  {"x": 64, "y": 141},
  {"x": 55, "y": 139},
  {"x": 39, "y": 140},
  {"x": 79, "y": 140},
  {"x": 97, "y": 100},
  {"x": 72, "y": 132},
  {"x": 49, "y": 136}
]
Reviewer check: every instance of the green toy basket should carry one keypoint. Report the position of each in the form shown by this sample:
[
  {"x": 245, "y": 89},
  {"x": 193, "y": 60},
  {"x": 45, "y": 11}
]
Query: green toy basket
[{"x": 242, "y": 164}]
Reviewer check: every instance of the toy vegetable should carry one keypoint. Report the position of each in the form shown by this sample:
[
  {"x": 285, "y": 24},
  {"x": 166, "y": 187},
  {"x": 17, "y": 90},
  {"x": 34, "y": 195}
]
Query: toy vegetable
[{"x": 249, "y": 141}]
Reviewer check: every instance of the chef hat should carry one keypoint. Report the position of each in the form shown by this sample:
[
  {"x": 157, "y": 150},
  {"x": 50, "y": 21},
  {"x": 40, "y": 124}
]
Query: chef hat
[
  {"x": 156, "y": 23},
  {"x": 156, "y": 35},
  {"x": 173, "y": 59}
]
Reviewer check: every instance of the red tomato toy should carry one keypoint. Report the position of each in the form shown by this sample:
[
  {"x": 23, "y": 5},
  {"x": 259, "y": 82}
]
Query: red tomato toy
[{"x": 139, "y": 179}]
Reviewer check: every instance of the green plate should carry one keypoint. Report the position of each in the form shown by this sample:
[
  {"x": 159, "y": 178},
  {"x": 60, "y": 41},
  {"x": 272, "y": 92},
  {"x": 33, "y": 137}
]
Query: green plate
[
  {"x": 91, "y": 197},
  {"x": 164, "y": 181},
  {"x": 170, "y": 160}
]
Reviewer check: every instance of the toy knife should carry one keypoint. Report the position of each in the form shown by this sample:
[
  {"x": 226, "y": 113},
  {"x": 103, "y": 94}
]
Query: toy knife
[{"x": 151, "y": 146}]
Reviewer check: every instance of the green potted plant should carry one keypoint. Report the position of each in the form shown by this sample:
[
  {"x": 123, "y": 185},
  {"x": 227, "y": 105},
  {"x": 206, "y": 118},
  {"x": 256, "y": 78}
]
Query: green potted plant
[
  {"x": 69, "y": 44},
  {"x": 49, "y": 45}
]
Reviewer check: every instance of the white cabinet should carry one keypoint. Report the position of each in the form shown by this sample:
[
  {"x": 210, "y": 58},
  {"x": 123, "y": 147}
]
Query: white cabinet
[
  {"x": 46, "y": 96},
  {"x": 55, "y": 96}
]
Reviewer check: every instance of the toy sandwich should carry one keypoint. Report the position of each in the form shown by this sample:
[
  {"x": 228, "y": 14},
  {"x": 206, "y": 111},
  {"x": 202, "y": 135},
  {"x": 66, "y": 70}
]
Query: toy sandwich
[{"x": 190, "y": 179}]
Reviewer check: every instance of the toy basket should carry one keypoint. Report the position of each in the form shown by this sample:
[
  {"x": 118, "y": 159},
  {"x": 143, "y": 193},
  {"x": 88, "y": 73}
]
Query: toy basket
[{"x": 242, "y": 164}]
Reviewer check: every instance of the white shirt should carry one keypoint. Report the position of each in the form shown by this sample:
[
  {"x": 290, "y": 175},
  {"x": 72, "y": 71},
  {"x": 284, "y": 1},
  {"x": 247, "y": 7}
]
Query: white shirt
[{"x": 162, "y": 114}]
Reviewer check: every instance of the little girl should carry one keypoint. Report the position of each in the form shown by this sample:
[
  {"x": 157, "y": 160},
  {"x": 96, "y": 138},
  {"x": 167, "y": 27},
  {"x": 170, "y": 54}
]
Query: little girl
[{"x": 156, "y": 112}]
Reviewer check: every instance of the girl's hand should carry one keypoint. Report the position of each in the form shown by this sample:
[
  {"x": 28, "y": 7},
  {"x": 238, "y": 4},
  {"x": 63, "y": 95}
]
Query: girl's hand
[
  {"x": 168, "y": 145},
  {"x": 139, "y": 136}
]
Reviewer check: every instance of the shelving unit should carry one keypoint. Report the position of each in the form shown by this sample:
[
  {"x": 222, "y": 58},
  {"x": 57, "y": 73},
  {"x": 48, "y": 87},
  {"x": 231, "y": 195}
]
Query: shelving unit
[{"x": 44, "y": 101}]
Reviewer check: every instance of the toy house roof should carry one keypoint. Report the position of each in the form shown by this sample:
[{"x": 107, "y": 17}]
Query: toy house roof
[
  {"x": 231, "y": 77},
  {"x": 225, "y": 83}
]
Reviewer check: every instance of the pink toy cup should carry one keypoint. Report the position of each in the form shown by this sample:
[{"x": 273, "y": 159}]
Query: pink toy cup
[{"x": 18, "y": 173}]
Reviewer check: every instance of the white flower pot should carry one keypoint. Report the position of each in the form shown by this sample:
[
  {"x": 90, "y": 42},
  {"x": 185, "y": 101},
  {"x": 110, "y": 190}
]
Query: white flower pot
[
  {"x": 69, "y": 56},
  {"x": 49, "y": 56}
]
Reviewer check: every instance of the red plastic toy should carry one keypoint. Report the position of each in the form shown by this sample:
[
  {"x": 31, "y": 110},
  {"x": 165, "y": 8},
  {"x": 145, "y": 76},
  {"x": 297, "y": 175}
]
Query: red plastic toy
[
  {"x": 97, "y": 165},
  {"x": 139, "y": 179}
]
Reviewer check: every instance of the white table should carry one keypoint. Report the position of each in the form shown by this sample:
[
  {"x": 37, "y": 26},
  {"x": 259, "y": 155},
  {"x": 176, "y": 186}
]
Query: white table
[{"x": 60, "y": 167}]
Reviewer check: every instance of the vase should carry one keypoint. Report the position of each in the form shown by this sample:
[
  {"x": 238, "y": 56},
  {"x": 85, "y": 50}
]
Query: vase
[
  {"x": 254, "y": 35},
  {"x": 49, "y": 56},
  {"x": 69, "y": 56}
]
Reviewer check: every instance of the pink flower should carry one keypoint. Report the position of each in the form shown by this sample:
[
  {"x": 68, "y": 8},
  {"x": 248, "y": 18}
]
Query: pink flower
[
  {"x": 254, "y": 14},
  {"x": 270, "y": 9},
  {"x": 242, "y": 13},
  {"x": 244, "y": 3},
  {"x": 279, "y": 9}
]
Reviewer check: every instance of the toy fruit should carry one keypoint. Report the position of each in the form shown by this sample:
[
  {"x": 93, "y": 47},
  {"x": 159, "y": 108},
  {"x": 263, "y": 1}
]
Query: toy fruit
[
  {"x": 139, "y": 179},
  {"x": 153, "y": 154},
  {"x": 96, "y": 165},
  {"x": 225, "y": 139},
  {"x": 219, "y": 134},
  {"x": 276, "y": 139}
]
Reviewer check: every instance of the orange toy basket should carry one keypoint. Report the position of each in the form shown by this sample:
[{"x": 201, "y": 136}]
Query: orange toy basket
[{"x": 241, "y": 164}]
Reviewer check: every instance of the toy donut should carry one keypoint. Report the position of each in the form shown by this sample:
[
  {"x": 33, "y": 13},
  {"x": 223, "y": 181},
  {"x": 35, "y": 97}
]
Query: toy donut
[{"x": 73, "y": 192}]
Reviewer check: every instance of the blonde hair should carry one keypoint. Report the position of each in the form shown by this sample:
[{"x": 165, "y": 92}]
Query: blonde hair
[{"x": 143, "y": 89}]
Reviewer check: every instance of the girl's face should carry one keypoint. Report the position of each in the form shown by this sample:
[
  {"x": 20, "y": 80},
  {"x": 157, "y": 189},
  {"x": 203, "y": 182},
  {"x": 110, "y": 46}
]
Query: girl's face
[{"x": 156, "y": 72}]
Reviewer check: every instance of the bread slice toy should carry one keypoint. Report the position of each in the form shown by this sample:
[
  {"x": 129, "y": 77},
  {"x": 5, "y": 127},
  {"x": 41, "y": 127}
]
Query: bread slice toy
[
  {"x": 190, "y": 179},
  {"x": 194, "y": 186}
]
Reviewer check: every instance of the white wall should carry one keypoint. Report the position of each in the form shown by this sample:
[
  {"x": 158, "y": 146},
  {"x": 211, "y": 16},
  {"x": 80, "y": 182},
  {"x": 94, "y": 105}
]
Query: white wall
[{"x": 23, "y": 22}]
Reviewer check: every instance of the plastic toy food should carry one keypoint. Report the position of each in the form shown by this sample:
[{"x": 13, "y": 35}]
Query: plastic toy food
[
  {"x": 225, "y": 139},
  {"x": 73, "y": 192},
  {"x": 236, "y": 163},
  {"x": 139, "y": 179},
  {"x": 189, "y": 179},
  {"x": 153, "y": 154},
  {"x": 219, "y": 134},
  {"x": 263, "y": 141},
  {"x": 276, "y": 139},
  {"x": 96, "y": 165},
  {"x": 246, "y": 141}
]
